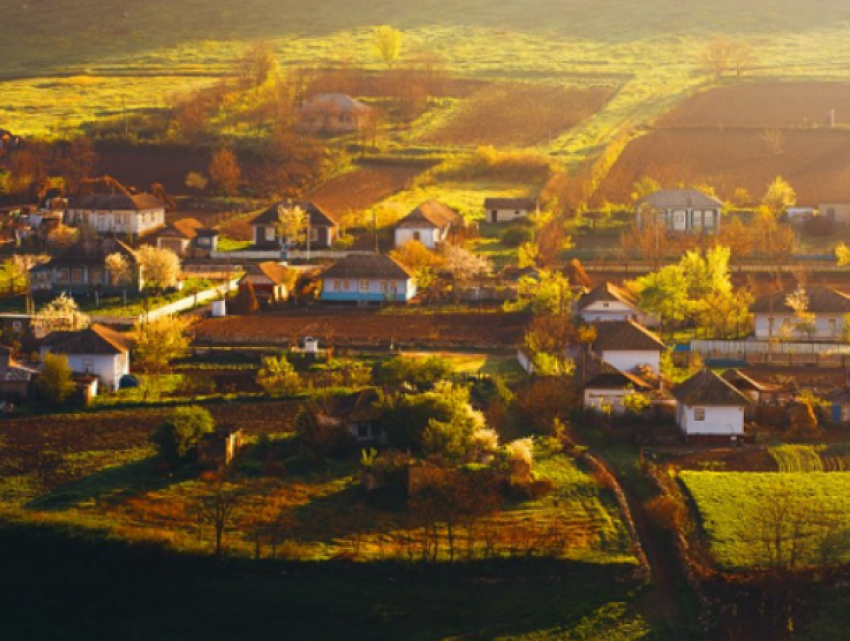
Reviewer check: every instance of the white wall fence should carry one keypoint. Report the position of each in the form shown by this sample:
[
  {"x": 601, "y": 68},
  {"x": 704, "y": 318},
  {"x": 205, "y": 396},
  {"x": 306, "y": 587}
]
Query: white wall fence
[
  {"x": 781, "y": 353},
  {"x": 297, "y": 254},
  {"x": 176, "y": 307},
  {"x": 788, "y": 268}
]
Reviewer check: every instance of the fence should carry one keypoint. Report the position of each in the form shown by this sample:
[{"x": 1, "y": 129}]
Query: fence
[
  {"x": 277, "y": 254},
  {"x": 776, "y": 353},
  {"x": 757, "y": 268},
  {"x": 176, "y": 307}
]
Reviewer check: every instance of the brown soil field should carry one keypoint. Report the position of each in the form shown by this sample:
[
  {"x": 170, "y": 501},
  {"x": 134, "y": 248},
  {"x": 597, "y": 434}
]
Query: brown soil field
[
  {"x": 363, "y": 188},
  {"x": 761, "y": 105},
  {"x": 519, "y": 114},
  {"x": 351, "y": 327},
  {"x": 815, "y": 162}
]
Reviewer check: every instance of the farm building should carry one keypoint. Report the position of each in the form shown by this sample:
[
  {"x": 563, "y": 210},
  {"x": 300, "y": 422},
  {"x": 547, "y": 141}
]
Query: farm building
[
  {"x": 97, "y": 351},
  {"x": 681, "y": 210},
  {"x": 220, "y": 447},
  {"x": 186, "y": 237},
  {"x": 430, "y": 224},
  {"x": 322, "y": 227},
  {"x": 82, "y": 268},
  {"x": 775, "y": 318},
  {"x": 358, "y": 414},
  {"x": 269, "y": 281},
  {"x": 628, "y": 346},
  {"x": 607, "y": 302},
  {"x": 604, "y": 387},
  {"x": 118, "y": 212},
  {"x": 369, "y": 278},
  {"x": 710, "y": 407},
  {"x": 839, "y": 213},
  {"x": 333, "y": 113},
  {"x": 503, "y": 210},
  {"x": 16, "y": 379}
]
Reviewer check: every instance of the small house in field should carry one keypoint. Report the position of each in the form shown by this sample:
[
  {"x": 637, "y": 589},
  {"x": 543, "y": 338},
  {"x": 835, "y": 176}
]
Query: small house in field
[
  {"x": 430, "y": 224},
  {"x": 505, "y": 210},
  {"x": 8, "y": 140},
  {"x": 758, "y": 390},
  {"x": 270, "y": 281},
  {"x": 681, "y": 210},
  {"x": 839, "y": 213},
  {"x": 604, "y": 387},
  {"x": 333, "y": 113},
  {"x": 358, "y": 413},
  {"x": 776, "y": 319},
  {"x": 367, "y": 278},
  {"x": 608, "y": 302},
  {"x": 188, "y": 237},
  {"x": 97, "y": 351},
  {"x": 628, "y": 346},
  {"x": 321, "y": 233},
  {"x": 82, "y": 269},
  {"x": 710, "y": 408},
  {"x": 218, "y": 448}
]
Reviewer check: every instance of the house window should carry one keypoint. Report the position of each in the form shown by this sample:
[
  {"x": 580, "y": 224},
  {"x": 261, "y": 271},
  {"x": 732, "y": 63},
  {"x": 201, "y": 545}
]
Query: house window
[
  {"x": 16, "y": 326},
  {"x": 708, "y": 219},
  {"x": 830, "y": 213},
  {"x": 770, "y": 322},
  {"x": 605, "y": 305},
  {"x": 833, "y": 326},
  {"x": 270, "y": 236},
  {"x": 96, "y": 276},
  {"x": 417, "y": 236},
  {"x": 680, "y": 220},
  {"x": 62, "y": 275},
  {"x": 697, "y": 216},
  {"x": 346, "y": 285},
  {"x": 699, "y": 413},
  {"x": 385, "y": 286},
  {"x": 88, "y": 366},
  {"x": 394, "y": 287},
  {"x": 364, "y": 285},
  {"x": 314, "y": 234},
  {"x": 364, "y": 431},
  {"x": 77, "y": 275}
]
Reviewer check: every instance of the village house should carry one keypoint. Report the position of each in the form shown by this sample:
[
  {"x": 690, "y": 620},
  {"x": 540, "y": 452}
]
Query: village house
[
  {"x": 710, "y": 408},
  {"x": 97, "y": 351},
  {"x": 681, "y": 210},
  {"x": 82, "y": 268},
  {"x": 188, "y": 237},
  {"x": 608, "y": 302},
  {"x": 430, "y": 224},
  {"x": 118, "y": 213},
  {"x": 839, "y": 213},
  {"x": 16, "y": 379},
  {"x": 269, "y": 282},
  {"x": 604, "y": 387},
  {"x": 628, "y": 346},
  {"x": 358, "y": 414},
  {"x": 505, "y": 210},
  {"x": 321, "y": 233},
  {"x": 776, "y": 319},
  {"x": 367, "y": 278},
  {"x": 8, "y": 140},
  {"x": 333, "y": 113}
]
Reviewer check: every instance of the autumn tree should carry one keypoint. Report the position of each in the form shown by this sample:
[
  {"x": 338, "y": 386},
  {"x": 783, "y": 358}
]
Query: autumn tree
[
  {"x": 55, "y": 383},
  {"x": 118, "y": 268},
  {"x": 257, "y": 64},
  {"x": 463, "y": 265},
  {"x": 217, "y": 507},
  {"x": 650, "y": 238},
  {"x": 158, "y": 342},
  {"x": 61, "y": 314},
  {"x": 723, "y": 54},
  {"x": 779, "y": 196},
  {"x": 422, "y": 261},
  {"x": 387, "y": 42},
  {"x": 160, "y": 267},
  {"x": 292, "y": 225},
  {"x": 225, "y": 172}
]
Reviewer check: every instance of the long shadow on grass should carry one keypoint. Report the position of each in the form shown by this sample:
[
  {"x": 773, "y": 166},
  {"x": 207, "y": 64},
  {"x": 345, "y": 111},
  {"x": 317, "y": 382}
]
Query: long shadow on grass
[{"x": 109, "y": 486}]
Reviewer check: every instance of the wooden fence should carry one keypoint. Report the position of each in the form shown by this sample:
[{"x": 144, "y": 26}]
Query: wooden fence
[{"x": 775, "y": 353}]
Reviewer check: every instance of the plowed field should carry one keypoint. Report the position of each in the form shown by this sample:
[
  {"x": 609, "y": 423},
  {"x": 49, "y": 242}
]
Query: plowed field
[
  {"x": 518, "y": 114},
  {"x": 362, "y": 188}
]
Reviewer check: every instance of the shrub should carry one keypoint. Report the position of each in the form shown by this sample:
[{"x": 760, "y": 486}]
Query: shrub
[
  {"x": 515, "y": 236},
  {"x": 182, "y": 430},
  {"x": 55, "y": 383},
  {"x": 278, "y": 376}
]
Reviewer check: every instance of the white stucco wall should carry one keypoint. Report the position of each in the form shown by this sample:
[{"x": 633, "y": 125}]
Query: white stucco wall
[
  {"x": 428, "y": 236},
  {"x": 108, "y": 368},
  {"x": 504, "y": 215},
  {"x": 595, "y": 399},
  {"x": 828, "y": 326},
  {"x": 627, "y": 360},
  {"x": 719, "y": 421},
  {"x": 120, "y": 222}
]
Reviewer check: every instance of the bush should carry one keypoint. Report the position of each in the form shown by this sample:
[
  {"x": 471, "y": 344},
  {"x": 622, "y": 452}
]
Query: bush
[
  {"x": 56, "y": 382},
  {"x": 515, "y": 236},
  {"x": 182, "y": 430},
  {"x": 422, "y": 373}
]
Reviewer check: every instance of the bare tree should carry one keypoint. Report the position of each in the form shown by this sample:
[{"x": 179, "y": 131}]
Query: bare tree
[{"x": 217, "y": 507}]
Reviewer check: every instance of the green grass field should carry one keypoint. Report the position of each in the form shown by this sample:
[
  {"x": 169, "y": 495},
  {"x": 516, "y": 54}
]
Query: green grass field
[{"x": 727, "y": 502}]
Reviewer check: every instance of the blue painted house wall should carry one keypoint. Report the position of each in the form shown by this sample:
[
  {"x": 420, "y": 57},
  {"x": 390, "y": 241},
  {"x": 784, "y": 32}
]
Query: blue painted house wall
[{"x": 367, "y": 290}]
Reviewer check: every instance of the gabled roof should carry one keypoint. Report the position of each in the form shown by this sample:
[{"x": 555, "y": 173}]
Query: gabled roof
[
  {"x": 510, "y": 203},
  {"x": 626, "y": 335},
  {"x": 116, "y": 202},
  {"x": 96, "y": 340},
  {"x": 90, "y": 252},
  {"x": 318, "y": 216},
  {"x": 357, "y": 406},
  {"x": 275, "y": 272},
  {"x": 367, "y": 266},
  {"x": 336, "y": 101},
  {"x": 608, "y": 292},
  {"x": 741, "y": 380},
  {"x": 431, "y": 213},
  {"x": 186, "y": 228},
  {"x": 12, "y": 370},
  {"x": 680, "y": 199},
  {"x": 707, "y": 388},
  {"x": 592, "y": 371},
  {"x": 822, "y": 300}
]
